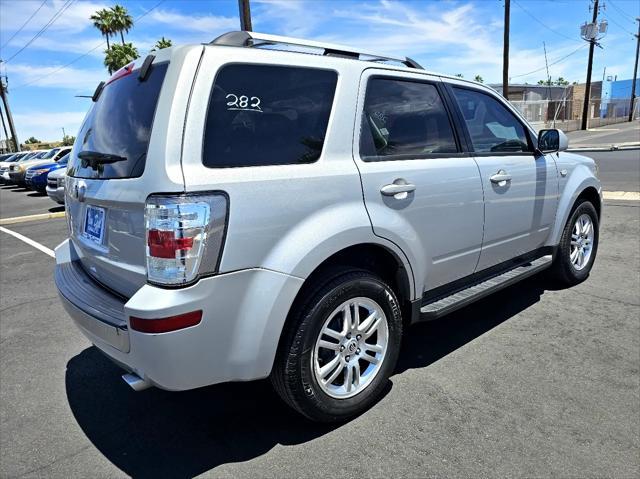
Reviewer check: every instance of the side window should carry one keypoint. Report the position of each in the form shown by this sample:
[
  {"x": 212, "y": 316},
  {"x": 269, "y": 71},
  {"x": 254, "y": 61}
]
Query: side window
[
  {"x": 267, "y": 115},
  {"x": 404, "y": 119},
  {"x": 492, "y": 127}
]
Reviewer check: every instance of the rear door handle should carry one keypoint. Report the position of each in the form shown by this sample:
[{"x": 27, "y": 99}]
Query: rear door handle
[
  {"x": 399, "y": 188},
  {"x": 500, "y": 178}
]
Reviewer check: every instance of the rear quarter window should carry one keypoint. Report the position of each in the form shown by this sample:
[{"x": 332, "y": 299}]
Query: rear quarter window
[{"x": 267, "y": 115}]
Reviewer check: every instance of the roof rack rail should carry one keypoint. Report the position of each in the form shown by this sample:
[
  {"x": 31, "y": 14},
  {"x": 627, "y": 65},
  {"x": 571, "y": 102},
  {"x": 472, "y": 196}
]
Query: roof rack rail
[{"x": 252, "y": 39}]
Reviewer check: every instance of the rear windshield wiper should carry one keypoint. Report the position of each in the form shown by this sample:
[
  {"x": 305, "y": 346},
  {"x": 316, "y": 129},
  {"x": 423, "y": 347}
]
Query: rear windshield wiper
[{"x": 95, "y": 157}]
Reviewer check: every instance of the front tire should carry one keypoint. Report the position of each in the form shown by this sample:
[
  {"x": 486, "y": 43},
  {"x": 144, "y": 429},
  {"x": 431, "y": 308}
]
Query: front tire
[
  {"x": 578, "y": 245},
  {"x": 341, "y": 347}
]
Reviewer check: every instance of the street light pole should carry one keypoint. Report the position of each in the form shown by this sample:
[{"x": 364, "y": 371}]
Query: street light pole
[
  {"x": 587, "y": 90},
  {"x": 635, "y": 72}
]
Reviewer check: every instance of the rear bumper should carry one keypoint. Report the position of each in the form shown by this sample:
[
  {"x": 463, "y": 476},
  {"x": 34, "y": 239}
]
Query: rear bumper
[
  {"x": 56, "y": 194},
  {"x": 243, "y": 315}
]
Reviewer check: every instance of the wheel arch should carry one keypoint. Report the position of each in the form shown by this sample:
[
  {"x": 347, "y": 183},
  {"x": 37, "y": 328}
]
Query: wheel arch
[
  {"x": 581, "y": 185},
  {"x": 374, "y": 257}
]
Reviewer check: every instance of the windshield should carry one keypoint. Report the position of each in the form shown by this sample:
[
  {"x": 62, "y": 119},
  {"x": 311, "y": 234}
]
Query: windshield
[
  {"x": 64, "y": 160},
  {"x": 114, "y": 138},
  {"x": 50, "y": 154},
  {"x": 29, "y": 156}
]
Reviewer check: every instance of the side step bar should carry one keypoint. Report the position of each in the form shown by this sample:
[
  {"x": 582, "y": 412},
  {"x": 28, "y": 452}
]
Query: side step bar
[{"x": 462, "y": 298}]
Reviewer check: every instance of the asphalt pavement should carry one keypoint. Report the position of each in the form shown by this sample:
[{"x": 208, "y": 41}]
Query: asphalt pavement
[
  {"x": 531, "y": 382},
  {"x": 619, "y": 170},
  {"x": 616, "y": 135}
]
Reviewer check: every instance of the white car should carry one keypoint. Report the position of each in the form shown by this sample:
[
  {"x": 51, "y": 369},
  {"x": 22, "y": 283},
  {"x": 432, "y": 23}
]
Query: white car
[{"x": 4, "y": 165}]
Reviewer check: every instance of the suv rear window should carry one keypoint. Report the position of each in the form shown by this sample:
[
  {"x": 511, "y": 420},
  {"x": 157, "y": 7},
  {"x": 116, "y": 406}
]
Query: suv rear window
[
  {"x": 118, "y": 128},
  {"x": 267, "y": 115}
]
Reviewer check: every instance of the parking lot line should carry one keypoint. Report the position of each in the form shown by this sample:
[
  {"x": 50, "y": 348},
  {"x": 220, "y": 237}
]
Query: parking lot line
[
  {"x": 621, "y": 195},
  {"x": 29, "y": 241},
  {"x": 22, "y": 219}
]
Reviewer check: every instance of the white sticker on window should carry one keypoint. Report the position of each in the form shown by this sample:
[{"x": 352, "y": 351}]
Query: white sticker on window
[{"x": 243, "y": 102}]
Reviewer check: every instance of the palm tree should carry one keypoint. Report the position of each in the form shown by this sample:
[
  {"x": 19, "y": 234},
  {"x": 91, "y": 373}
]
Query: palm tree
[
  {"x": 119, "y": 55},
  {"x": 162, "y": 43},
  {"x": 122, "y": 21},
  {"x": 103, "y": 21}
]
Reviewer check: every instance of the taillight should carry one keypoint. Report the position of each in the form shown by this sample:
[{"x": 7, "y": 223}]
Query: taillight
[{"x": 184, "y": 236}]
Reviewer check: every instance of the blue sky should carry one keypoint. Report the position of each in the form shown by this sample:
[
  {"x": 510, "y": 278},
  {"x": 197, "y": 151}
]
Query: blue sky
[{"x": 446, "y": 36}]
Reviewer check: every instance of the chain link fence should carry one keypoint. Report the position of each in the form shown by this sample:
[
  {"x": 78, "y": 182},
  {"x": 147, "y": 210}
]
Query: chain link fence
[{"x": 567, "y": 114}]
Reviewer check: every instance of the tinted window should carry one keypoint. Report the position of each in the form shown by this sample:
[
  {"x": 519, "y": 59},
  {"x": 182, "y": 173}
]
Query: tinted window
[
  {"x": 51, "y": 153},
  {"x": 267, "y": 115},
  {"x": 118, "y": 127},
  {"x": 492, "y": 127},
  {"x": 404, "y": 119}
]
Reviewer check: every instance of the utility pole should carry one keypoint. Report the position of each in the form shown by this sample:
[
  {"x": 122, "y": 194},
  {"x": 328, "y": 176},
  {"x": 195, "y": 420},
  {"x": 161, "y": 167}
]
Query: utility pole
[
  {"x": 505, "y": 50},
  {"x": 245, "y": 15},
  {"x": 635, "y": 71},
  {"x": 4, "y": 127},
  {"x": 5, "y": 102},
  {"x": 587, "y": 90}
]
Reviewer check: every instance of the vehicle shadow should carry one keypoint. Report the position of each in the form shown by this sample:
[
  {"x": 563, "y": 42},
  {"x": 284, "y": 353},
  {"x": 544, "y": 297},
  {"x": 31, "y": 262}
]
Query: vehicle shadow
[
  {"x": 430, "y": 341},
  {"x": 37, "y": 194},
  {"x": 158, "y": 433},
  {"x": 56, "y": 209}
]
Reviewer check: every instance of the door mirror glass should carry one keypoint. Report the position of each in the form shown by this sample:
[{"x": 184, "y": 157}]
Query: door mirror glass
[{"x": 550, "y": 141}]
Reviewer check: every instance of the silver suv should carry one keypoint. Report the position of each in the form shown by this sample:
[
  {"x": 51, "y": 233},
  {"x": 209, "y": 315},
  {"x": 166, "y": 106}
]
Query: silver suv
[{"x": 242, "y": 210}]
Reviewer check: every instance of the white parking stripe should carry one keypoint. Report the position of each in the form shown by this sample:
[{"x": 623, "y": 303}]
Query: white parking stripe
[
  {"x": 621, "y": 195},
  {"x": 29, "y": 241}
]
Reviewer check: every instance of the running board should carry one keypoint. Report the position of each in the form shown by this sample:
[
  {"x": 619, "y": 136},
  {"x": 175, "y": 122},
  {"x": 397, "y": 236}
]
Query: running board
[{"x": 464, "y": 297}]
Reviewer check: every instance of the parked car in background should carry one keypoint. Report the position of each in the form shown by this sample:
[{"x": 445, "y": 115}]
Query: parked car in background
[
  {"x": 55, "y": 183},
  {"x": 18, "y": 169},
  {"x": 36, "y": 176},
  {"x": 6, "y": 163}
]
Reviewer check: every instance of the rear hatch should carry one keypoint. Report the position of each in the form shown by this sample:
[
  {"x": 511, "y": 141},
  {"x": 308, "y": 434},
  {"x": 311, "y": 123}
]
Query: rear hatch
[{"x": 127, "y": 148}]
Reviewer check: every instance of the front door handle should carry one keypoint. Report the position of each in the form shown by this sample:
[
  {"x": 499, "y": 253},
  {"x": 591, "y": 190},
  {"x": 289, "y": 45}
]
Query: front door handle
[
  {"x": 500, "y": 178},
  {"x": 399, "y": 189}
]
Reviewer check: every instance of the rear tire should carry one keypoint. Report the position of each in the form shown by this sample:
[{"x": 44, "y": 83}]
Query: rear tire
[
  {"x": 340, "y": 348},
  {"x": 578, "y": 246}
]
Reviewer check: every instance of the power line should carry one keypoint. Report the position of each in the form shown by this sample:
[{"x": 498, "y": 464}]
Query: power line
[
  {"x": 57, "y": 15},
  {"x": 553, "y": 62},
  {"x": 84, "y": 54},
  {"x": 23, "y": 25},
  {"x": 544, "y": 24},
  {"x": 621, "y": 11},
  {"x": 628, "y": 31}
]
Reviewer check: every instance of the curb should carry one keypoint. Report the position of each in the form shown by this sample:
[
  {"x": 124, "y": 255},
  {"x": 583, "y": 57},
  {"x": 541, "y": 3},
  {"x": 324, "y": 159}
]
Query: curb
[
  {"x": 605, "y": 148},
  {"x": 621, "y": 195},
  {"x": 24, "y": 219}
]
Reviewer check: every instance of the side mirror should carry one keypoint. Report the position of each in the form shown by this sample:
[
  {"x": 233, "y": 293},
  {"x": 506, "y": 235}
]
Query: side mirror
[{"x": 550, "y": 141}]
